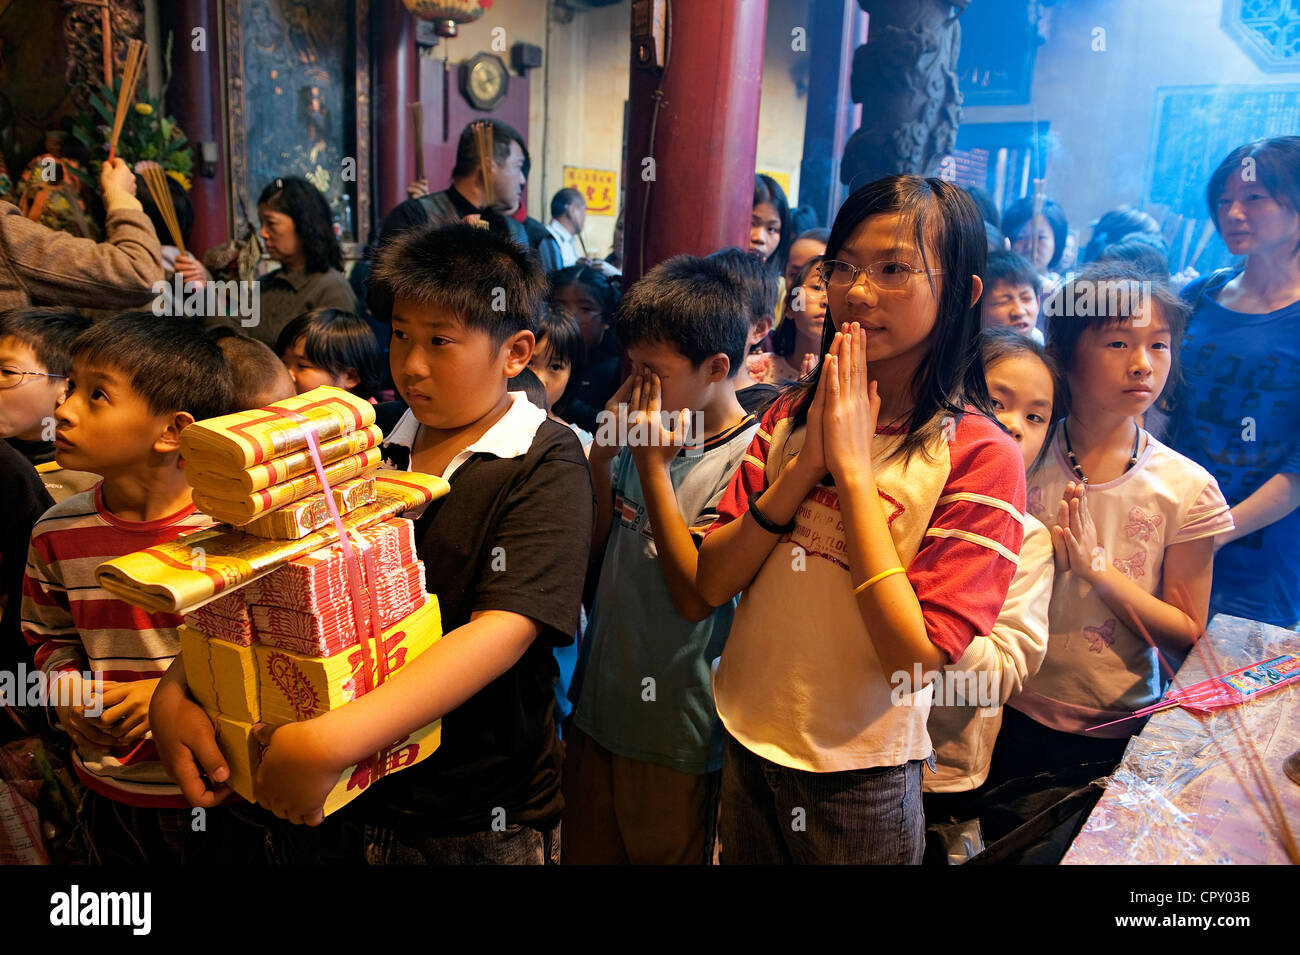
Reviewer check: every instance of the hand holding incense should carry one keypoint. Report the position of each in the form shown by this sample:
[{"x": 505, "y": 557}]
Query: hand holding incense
[{"x": 156, "y": 180}]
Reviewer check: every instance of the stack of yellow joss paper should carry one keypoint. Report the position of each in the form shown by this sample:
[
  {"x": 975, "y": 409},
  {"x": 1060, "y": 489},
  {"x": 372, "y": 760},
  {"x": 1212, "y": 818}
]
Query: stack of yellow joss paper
[
  {"x": 283, "y": 619},
  {"x": 254, "y": 468},
  {"x": 240, "y": 686}
]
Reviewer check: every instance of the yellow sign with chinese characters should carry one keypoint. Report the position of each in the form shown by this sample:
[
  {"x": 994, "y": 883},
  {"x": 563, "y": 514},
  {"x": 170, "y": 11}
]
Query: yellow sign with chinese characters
[{"x": 598, "y": 186}]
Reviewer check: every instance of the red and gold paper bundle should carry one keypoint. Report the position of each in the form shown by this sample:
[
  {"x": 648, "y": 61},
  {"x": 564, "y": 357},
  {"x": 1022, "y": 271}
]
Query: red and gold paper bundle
[
  {"x": 226, "y": 617},
  {"x": 333, "y": 628},
  {"x": 245, "y": 465},
  {"x": 221, "y": 675},
  {"x": 315, "y": 580},
  {"x": 297, "y": 520},
  {"x": 237, "y": 442},
  {"x": 233, "y": 482},
  {"x": 188, "y": 572},
  {"x": 242, "y": 686},
  {"x": 247, "y": 507}
]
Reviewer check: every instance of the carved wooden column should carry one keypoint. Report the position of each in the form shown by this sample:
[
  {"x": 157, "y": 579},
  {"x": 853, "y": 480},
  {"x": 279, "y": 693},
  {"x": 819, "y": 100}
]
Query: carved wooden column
[{"x": 905, "y": 77}]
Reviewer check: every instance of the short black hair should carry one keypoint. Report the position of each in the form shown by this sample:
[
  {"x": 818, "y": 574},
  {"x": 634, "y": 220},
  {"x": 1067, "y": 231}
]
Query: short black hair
[
  {"x": 1146, "y": 254},
  {"x": 1275, "y": 164},
  {"x": 563, "y": 337},
  {"x": 48, "y": 332},
  {"x": 561, "y": 201},
  {"x": 1022, "y": 210},
  {"x": 1104, "y": 295},
  {"x": 172, "y": 365},
  {"x": 503, "y": 134},
  {"x": 997, "y": 344},
  {"x": 254, "y": 368},
  {"x": 606, "y": 294},
  {"x": 817, "y": 234},
  {"x": 1117, "y": 225},
  {"x": 760, "y": 286},
  {"x": 336, "y": 341},
  {"x": 690, "y": 303},
  {"x": 486, "y": 280},
  {"x": 804, "y": 218},
  {"x": 532, "y": 387},
  {"x": 1013, "y": 269},
  {"x": 302, "y": 202}
]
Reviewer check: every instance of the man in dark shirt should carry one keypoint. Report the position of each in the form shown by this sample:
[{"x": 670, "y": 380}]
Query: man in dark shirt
[{"x": 466, "y": 196}]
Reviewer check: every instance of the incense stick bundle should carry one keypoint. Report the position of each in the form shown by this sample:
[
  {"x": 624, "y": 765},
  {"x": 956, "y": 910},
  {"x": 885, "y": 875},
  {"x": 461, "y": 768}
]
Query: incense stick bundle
[
  {"x": 125, "y": 95},
  {"x": 1202, "y": 242},
  {"x": 1272, "y": 813},
  {"x": 483, "y": 139},
  {"x": 156, "y": 180},
  {"x": 1040, "y": 197},
  {"x": 1171, "y": 235},
  {"x": 416, "y": 112},
  {"x": 1187, "y": 243}
]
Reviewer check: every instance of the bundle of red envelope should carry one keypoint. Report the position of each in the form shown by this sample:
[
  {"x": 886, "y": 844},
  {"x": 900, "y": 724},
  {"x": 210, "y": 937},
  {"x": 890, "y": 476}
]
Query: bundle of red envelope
[{"x": 306, "y": 606}]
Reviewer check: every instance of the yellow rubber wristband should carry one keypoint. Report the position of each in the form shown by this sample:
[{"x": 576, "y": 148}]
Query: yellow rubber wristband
[{"x": 880, "y": 576}]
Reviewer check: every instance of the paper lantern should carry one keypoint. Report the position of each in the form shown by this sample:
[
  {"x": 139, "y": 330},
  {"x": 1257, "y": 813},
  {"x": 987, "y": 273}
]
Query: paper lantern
[{"x": 447, "y": 15}]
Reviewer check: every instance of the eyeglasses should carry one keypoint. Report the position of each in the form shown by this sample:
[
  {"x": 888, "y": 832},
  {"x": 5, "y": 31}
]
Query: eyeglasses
[
  {"x": 13, "y": 377},
  {"x": 885, "y": 275}
]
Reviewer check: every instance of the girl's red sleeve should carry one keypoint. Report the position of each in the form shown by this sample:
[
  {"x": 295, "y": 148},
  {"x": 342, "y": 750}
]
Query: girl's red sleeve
[
  {"x": 964, "y": 567},
  {"x": 751, "y": 476}
]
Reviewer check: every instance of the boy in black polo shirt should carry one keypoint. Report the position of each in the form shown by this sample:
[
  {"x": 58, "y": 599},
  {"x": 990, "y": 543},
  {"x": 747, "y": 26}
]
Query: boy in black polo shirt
[{"x": 505, "y": 551}]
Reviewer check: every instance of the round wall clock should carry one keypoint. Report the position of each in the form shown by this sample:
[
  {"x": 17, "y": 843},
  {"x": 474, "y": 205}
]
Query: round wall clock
[{"x": 483, "y": 80}]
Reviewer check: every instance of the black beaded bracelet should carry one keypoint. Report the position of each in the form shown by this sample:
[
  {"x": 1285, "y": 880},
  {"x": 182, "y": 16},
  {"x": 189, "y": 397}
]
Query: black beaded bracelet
[{"x": 764, "y": 521}]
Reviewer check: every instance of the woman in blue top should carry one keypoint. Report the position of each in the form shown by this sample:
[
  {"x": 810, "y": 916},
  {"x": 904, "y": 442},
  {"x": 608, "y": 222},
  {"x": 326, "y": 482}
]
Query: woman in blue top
[{"x": 1238, "y": 413}]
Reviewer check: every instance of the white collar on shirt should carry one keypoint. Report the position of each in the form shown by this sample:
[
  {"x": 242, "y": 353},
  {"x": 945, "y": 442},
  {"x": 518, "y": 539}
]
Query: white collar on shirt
[
  {"x": 561, "y": 234},
  {"x": 510, "y": 437}
]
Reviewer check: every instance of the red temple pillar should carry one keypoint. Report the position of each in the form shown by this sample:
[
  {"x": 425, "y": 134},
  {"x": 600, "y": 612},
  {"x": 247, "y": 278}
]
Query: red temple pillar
[
  {"x": 699, "y": 169},
  {"x": 395, "y": 65},
  {"x": 194, "y": 97}
]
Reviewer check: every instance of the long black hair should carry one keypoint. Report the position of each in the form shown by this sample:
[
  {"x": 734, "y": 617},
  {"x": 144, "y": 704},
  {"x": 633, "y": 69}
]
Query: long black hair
[
  {"x": 767, "y": 189},
  {"x": 784, "y": 336},
  {"x": 945, "y": 225},
  {"x": 1022, "y": 211},
  {"x": 303, "y": 203}
]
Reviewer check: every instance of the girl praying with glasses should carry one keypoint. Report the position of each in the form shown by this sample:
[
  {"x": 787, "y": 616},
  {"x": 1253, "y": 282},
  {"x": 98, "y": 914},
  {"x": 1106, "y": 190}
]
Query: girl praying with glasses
[{"x": 872, "y": 531}]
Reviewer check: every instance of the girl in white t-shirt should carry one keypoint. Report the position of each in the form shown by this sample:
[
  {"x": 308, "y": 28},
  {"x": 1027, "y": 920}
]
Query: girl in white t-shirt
[{"x": 1133, "y": 525}]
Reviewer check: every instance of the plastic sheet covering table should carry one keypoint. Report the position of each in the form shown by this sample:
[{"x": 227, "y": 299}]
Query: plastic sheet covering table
[{"x": 1175, "y": 798}]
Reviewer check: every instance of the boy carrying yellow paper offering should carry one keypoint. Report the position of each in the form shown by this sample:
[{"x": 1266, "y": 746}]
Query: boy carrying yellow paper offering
[{"x": 509, "y": 588}]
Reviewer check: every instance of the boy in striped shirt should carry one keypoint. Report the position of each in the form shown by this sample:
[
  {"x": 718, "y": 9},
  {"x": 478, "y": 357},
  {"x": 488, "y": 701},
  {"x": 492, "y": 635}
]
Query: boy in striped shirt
[{"x": 137, "y": 381}]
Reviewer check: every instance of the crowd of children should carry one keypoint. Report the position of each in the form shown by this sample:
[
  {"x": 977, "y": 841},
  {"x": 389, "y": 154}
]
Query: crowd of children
[{"x": 699, "y": 598}]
